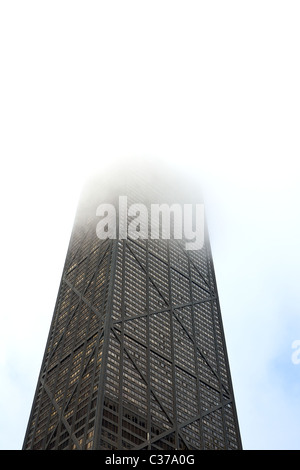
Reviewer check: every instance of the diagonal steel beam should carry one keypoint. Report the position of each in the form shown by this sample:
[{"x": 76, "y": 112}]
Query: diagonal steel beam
[{"x": 143, "y": 377}]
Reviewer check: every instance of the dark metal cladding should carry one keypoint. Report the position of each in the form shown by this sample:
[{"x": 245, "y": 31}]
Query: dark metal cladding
[{"x": 136, "y": 356}]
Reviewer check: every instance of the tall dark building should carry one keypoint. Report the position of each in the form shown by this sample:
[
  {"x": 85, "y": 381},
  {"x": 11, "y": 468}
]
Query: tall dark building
[{"x": 136, "y": 356}]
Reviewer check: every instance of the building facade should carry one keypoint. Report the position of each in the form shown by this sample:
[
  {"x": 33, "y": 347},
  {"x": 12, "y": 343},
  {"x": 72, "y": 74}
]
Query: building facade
[{"x": 136, "y": 356}]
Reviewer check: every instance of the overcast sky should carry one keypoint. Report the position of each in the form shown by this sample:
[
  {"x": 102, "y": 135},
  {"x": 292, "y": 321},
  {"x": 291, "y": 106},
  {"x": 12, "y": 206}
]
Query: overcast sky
[{"x": 211, "y": 86}]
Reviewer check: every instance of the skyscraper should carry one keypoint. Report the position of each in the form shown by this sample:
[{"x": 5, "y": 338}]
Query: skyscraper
[{"x": 136, "y": 356}]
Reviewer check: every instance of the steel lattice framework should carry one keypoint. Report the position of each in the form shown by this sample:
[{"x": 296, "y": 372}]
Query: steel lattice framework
[{"x": 136, "y": 356}]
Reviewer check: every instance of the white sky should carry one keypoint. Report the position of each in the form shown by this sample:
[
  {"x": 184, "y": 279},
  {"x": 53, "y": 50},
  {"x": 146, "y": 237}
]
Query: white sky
[{"x": 209, "y": 85}]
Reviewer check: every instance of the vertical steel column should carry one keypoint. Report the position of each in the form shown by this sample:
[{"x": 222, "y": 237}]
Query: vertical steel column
[
  {"x": 175, "y": 420},
  {"x": 106, "y": 336}
]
